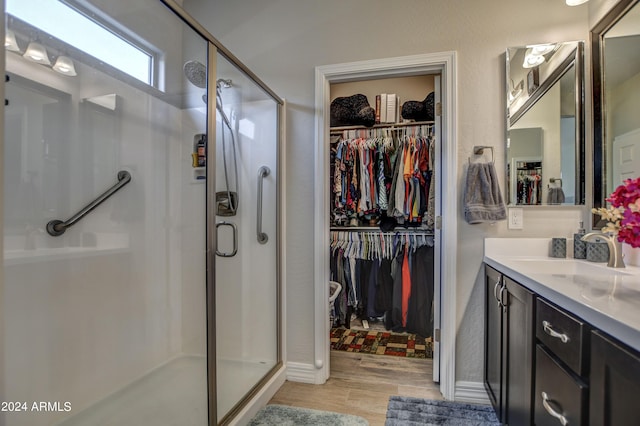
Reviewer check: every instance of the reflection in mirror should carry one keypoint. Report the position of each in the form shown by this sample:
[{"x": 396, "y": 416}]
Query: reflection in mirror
[
  {"x": 100, "y": 127},
  {"x": 36, "y": 154},
  {"x": 616, "y": 100},
  {"x": 545, "y": 124}
]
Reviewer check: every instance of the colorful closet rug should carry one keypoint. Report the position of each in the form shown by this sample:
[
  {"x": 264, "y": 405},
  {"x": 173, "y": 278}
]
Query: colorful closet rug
[{"x": 381, "y": 343}]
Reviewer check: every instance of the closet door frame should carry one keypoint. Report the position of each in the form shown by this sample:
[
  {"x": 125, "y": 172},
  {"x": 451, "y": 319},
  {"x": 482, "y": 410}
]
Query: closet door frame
[{"x": 445, "y": 64}]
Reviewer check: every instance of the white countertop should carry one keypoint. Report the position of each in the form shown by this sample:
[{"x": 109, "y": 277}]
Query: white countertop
[{"x": 607, "y": 298}]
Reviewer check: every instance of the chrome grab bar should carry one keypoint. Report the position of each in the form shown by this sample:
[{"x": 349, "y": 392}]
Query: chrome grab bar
[
  {"x": 262, "y": 173},
  {"x": 234, "y": 228},
  {"x": 57, "y": 227}
]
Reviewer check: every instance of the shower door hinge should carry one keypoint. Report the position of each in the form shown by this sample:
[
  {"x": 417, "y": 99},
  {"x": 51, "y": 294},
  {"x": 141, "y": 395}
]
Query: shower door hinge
[
  {"x": 438, "y": 222},
  {"x": 438, "y": 109},
  {"x": 436, "y": 335}
]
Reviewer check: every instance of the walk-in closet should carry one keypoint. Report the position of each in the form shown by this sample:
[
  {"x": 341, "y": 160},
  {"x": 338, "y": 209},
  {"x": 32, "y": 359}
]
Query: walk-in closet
[{"x": 383, "y": 184}]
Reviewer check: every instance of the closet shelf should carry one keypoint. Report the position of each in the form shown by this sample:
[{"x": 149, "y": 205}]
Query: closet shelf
[{"x": 382, "y": 126}]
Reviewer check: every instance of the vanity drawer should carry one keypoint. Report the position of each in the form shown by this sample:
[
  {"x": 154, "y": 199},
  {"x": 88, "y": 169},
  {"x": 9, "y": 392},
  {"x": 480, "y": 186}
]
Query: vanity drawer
[
  {"x": 563, "y": 334},
  {"x": 559, "y": 394}
]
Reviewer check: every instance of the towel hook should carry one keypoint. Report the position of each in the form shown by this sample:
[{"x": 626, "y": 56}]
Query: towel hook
[{"x": 553, "y": 180}]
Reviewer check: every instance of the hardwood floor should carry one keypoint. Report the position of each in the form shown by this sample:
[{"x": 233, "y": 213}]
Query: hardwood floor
[{"x": 361, "y": 385}]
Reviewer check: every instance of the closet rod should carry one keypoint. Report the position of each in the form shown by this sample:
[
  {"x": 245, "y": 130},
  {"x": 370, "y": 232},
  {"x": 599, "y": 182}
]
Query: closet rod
[
  {"x": 383, "y": 126},
  {"x": 425, "y": 233},
  {"x": 376, "y": 229}
]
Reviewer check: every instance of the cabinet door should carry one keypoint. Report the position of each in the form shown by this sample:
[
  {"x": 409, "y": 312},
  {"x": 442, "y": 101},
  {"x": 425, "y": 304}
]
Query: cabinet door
[
  {"x": 615, "y": 383},
  {"x": 518, "y": 346},
  {"x": 493, "y": 339}
]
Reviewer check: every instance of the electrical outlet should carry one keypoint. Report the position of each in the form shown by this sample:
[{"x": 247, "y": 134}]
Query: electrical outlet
[{"x": 516, "y": 220}]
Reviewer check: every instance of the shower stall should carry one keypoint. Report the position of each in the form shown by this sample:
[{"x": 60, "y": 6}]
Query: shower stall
[{"x": 141, "y": 190}]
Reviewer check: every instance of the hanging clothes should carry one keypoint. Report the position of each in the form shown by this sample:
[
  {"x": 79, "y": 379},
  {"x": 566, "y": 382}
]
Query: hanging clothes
[
  {"x": 378, "y": 174},
  {"x": 387, "y": 275}
]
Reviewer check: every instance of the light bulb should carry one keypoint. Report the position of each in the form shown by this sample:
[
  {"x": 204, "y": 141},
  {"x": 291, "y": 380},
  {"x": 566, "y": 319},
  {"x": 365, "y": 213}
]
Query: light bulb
[
  {"x": 10, "y": 42},
  {"x": 575, "y": 2},
  {"x": 37, "y": 53},
  {"x": 542, "y": 49},
  {"x": 532, "y": 60},
  {"x": 64, "y": 65}
]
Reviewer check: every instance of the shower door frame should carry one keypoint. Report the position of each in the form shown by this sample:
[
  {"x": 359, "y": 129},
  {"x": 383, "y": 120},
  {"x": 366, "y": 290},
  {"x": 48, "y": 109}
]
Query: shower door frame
[{"x": 275, "y": 377}]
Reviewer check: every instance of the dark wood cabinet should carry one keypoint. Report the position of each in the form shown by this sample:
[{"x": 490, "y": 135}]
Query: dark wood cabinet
[
  {"x": 493, "y": 339},
  {"x": 615, "y": 383},
  {"x": 509, "y": 344},
  {"x": 544, "y": 365},
  {"x": 519, "y": 344}
]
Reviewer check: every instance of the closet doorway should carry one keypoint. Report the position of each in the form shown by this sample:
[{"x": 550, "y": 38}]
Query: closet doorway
[
  {"x": 440, "y": 69},
  {"x": 382, "y": 216}
]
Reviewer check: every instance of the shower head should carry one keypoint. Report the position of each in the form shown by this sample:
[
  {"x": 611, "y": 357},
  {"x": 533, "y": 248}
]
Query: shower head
[
  {"x": 224, "y": 83},
  {"x": 196, "y": 73}
]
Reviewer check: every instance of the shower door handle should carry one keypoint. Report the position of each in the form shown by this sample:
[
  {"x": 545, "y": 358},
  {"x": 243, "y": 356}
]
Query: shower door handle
[
  {"x": 262, "y": 173},
  {"x": 234, "y": 228}
]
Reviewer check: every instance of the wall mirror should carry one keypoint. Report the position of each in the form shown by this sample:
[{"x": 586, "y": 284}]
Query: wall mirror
[
  {"x": 37, "y": 154},
  {"x": 615, "y": 44},
  {"x": 545, "y": 124}
]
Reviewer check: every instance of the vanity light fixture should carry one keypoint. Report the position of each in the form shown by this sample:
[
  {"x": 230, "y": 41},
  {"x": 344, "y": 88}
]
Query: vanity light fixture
[
  {"x": 64, "y": 65},
  {"x": 10, "y": 42},
  {"x": 37, "y": 53},
  {"x": 575, "y": 2},
  {"x": 531, "y": 59}
]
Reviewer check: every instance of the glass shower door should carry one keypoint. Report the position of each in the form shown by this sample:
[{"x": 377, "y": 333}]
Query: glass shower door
[
  {"x": 246, "y": 271},
  {"x": 105, "y": 317}
]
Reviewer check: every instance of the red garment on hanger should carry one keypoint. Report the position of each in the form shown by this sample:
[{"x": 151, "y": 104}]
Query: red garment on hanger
[{"x": 406, "y": 285}]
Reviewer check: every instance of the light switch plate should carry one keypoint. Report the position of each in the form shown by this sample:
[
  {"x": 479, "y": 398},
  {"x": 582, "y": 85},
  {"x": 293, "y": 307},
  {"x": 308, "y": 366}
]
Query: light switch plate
[{"x": 516, "y": 220}]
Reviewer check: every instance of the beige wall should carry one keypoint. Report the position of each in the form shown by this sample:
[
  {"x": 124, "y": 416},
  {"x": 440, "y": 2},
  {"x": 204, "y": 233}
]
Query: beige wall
[
  {"x": 282, "y": 41},
  {"x": 414, "y": 88}
]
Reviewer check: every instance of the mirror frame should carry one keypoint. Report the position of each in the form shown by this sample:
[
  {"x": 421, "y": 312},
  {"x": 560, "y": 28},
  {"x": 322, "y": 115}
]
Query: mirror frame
[
  {"x": 575, "y": 59},
  {"x": 597, "y": 35}
]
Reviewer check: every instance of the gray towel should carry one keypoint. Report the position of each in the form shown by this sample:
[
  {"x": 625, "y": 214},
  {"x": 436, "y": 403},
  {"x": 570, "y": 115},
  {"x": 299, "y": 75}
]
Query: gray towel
[
  {"x": 483, "y": 198},
  {"x": 556, "y": 196}
]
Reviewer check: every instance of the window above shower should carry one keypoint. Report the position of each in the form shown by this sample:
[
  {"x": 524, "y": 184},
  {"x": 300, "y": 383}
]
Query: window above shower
[{"x": 78, "y": 24}]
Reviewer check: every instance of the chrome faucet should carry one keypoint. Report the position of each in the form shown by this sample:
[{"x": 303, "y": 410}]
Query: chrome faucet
[{"x": 615, "y": 248}]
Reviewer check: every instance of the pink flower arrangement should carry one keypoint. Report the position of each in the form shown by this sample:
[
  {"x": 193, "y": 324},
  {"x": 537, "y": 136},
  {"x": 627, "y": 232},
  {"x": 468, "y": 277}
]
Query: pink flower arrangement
[{"x": 624, "y": 213}]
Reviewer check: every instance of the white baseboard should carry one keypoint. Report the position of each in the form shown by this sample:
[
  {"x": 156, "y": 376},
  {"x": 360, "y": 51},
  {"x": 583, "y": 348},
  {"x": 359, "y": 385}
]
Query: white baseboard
[
  {"x": 472, "y": 392},
  {"x": 304, "y": 373}
]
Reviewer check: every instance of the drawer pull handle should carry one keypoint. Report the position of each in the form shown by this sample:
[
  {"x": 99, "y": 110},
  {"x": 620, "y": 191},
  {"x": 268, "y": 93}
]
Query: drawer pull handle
[
  {"x": 548, "y": 328},
  {"x": 551, "y": 411}
]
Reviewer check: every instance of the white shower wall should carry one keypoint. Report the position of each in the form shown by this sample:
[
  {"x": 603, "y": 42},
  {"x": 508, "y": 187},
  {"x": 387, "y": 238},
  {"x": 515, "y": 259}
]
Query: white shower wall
[{"x": 82, "y": 325}]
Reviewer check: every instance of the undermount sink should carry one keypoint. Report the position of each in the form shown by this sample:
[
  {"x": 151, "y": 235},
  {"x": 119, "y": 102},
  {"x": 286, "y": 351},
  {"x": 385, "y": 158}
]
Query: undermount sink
[{"x": 563, "y": 267}]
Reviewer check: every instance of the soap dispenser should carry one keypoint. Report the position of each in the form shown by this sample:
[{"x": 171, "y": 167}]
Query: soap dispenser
[{"x": 579, "y": 246}]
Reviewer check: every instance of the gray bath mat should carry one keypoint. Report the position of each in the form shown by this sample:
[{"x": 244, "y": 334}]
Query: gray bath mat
[
  {"x": 283, "y": 415},
  {"x": 407, "y": 411}
]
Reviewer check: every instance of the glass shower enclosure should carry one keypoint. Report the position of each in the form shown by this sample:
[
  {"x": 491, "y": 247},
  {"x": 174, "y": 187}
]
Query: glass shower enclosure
[{"x": 141, "y": 243}]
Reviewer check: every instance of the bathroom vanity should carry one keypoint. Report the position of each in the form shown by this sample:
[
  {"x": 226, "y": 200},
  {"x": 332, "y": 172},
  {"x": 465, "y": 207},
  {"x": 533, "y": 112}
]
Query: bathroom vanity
[{"x": 562, "y": 337}]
